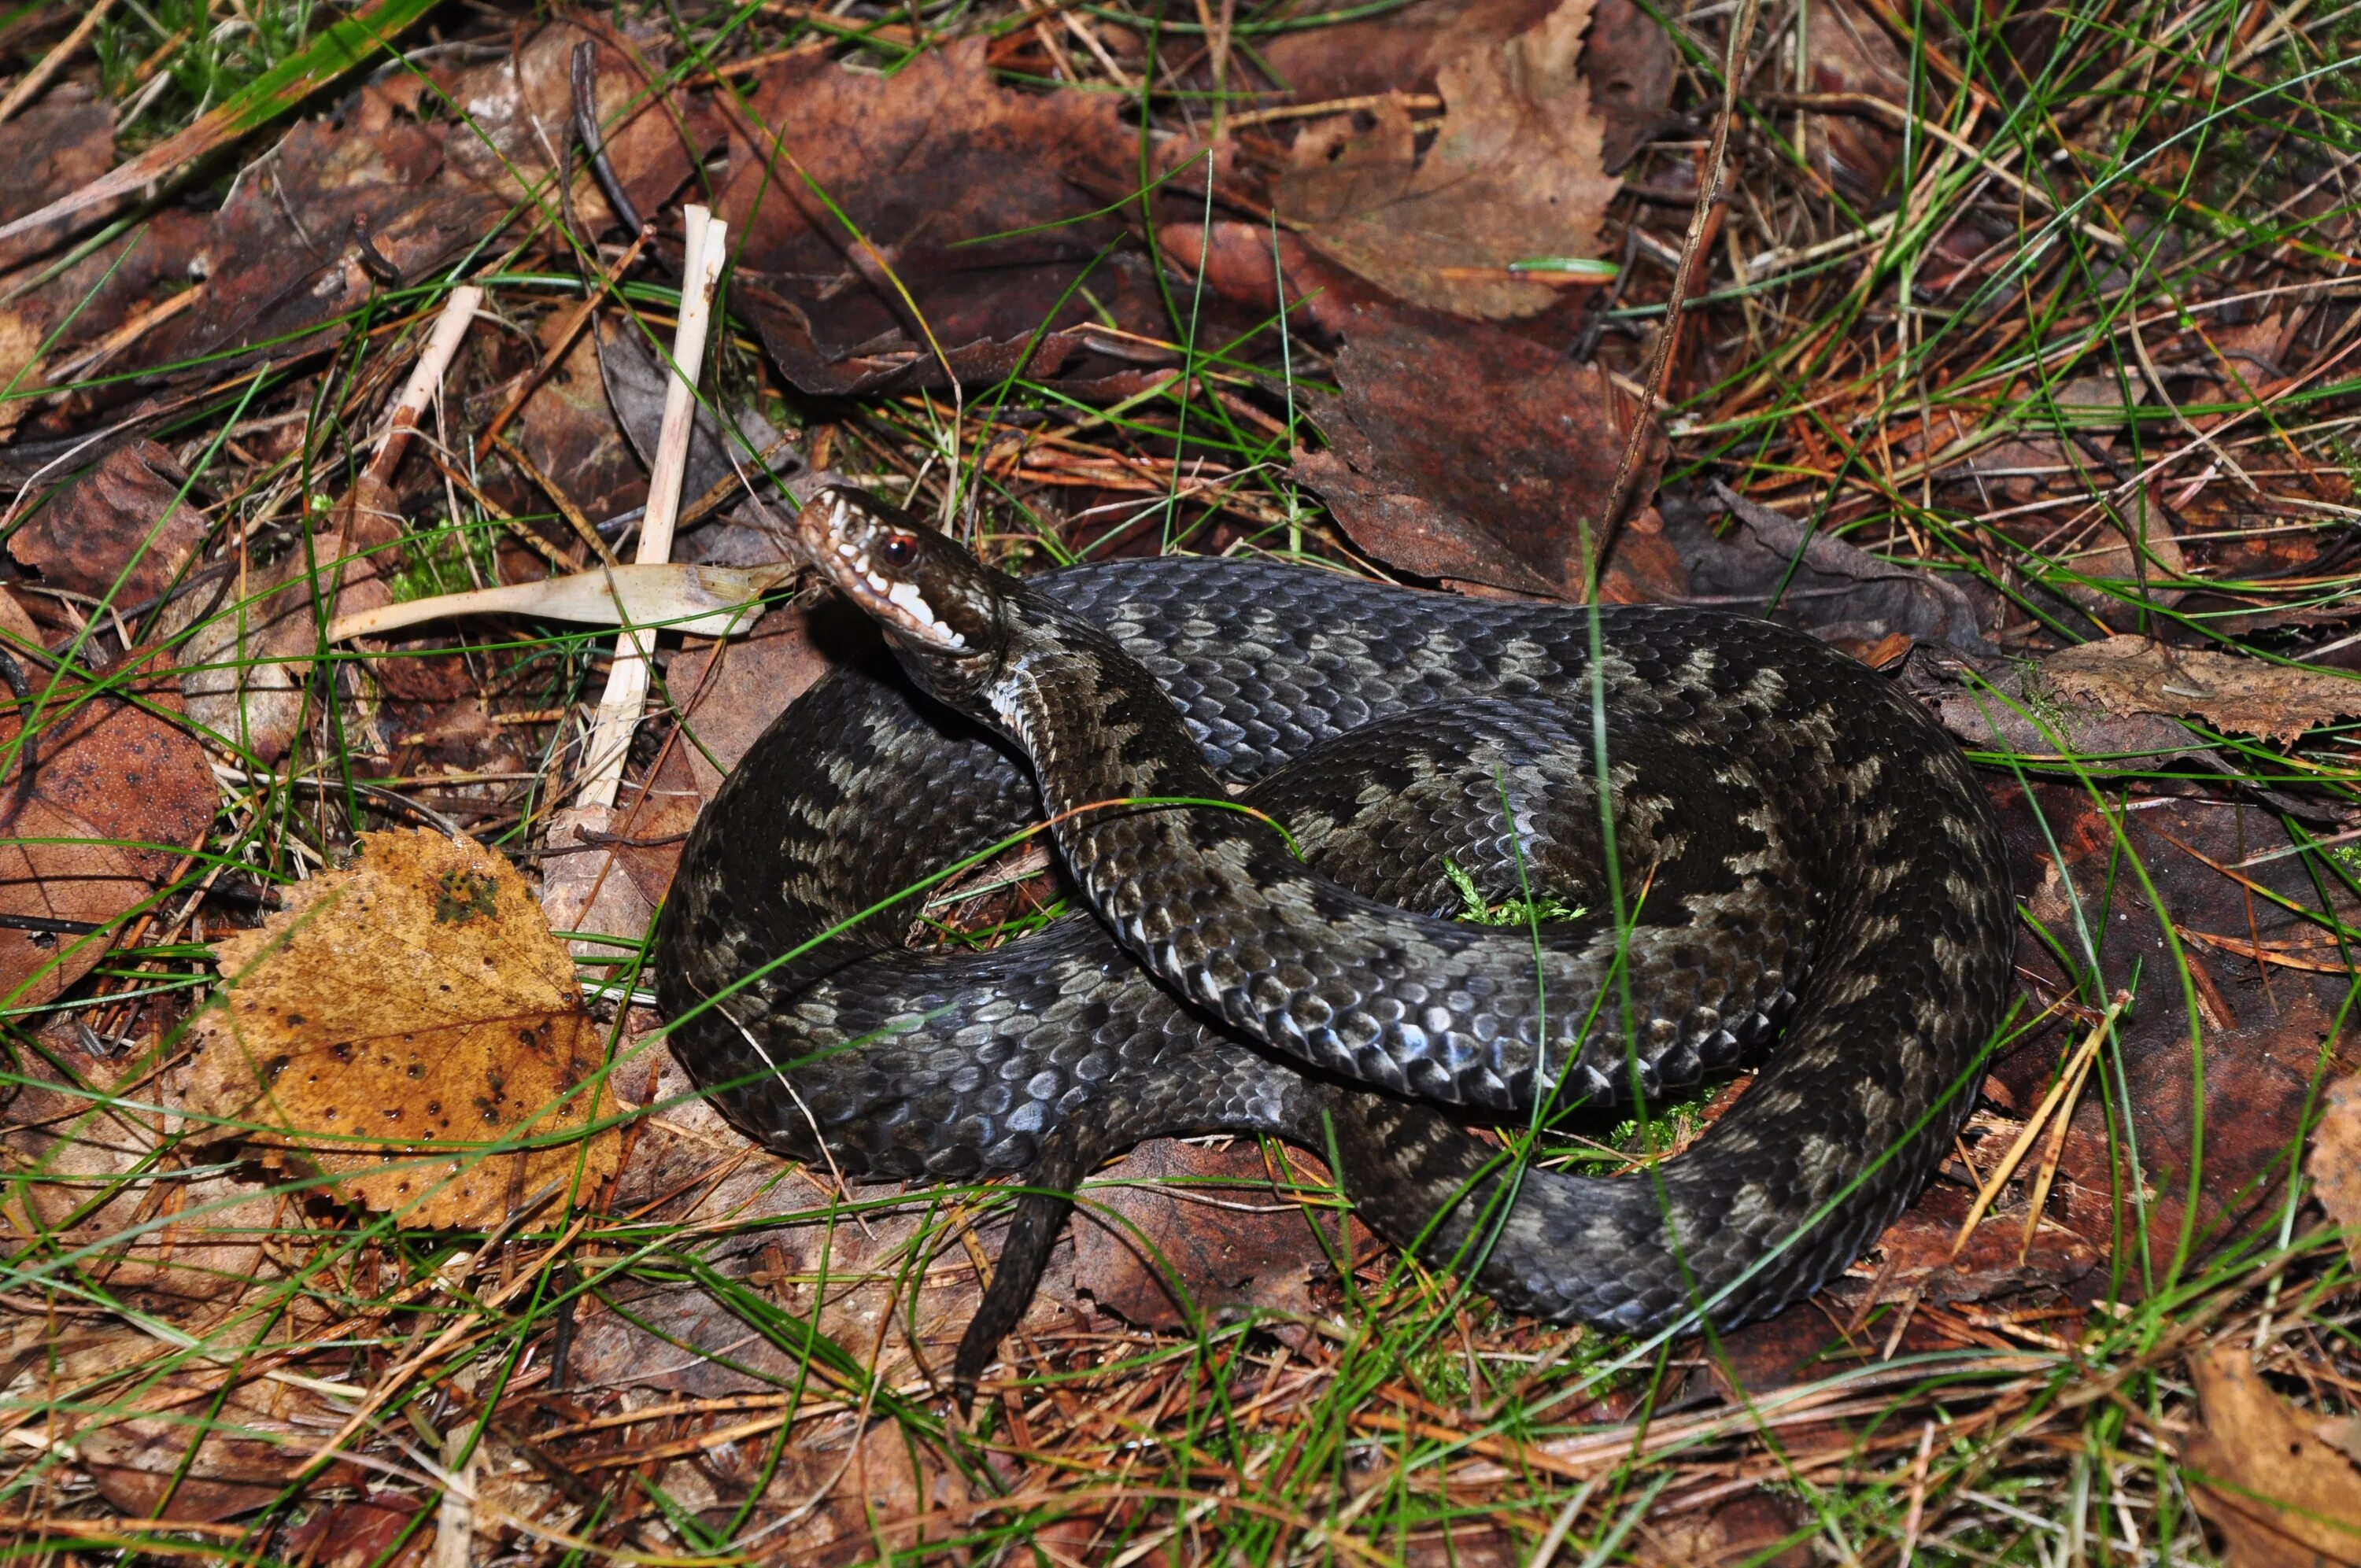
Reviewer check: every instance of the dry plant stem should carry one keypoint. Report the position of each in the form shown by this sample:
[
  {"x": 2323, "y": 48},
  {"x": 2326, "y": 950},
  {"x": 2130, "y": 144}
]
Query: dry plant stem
[
  {"x": 441, "y": 346},
  {"x": 33, "y": 81},
  {"x": 2059, "y": 1103},
  {"x": 627, "y": 678},
  {"x": 1660, "y": 363}
]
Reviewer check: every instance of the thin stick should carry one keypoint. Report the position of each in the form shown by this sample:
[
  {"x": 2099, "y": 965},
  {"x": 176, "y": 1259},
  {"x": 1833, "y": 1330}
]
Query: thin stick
[
  {"x": 33, "y": 81},
  {"x": 1660, "y": 366},
  {"x": 425, "y": 379},
  {"x": 627, "y": 678}
]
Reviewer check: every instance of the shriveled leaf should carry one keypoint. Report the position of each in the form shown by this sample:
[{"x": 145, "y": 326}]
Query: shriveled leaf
[
  {"x": 518, "y": 112},
  {"x": 2335, "y": 1161},
  {"x": 1627, "y": 58},
  {"x": 707, "y": 601},
  {"x": 2136, "y": 675},
  {"x": 394, "y": 1019},
  {"x": 1515, "y": 173},
  {"x": 116, "y": 789},
  {"x": 125, "y": 512},
  {"x": 2278, "y": 1494},
  {"x": 1774, "y": 564},
  {"x": 285, "y": 254}
]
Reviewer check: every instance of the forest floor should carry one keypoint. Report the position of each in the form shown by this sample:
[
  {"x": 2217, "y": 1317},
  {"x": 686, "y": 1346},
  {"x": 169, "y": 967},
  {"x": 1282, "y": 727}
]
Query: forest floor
[{"x": 2014, "y": 350}]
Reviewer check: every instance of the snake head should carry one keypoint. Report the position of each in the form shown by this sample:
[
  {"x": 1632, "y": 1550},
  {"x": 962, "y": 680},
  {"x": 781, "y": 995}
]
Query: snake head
[{"x": 941, "y": 608}]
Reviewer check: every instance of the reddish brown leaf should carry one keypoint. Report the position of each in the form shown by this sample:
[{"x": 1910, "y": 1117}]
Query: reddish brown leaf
[
  {"x": 285, "y": 253},
  {"x": 930, "y": 163},
  {"x": 122, "y": 518},
  {"x": 1202, "y": 1220},
  {"x": 57, "y": 146},
  {"x": 115, "y": 789},
  {"x": 730, "y": 691},
  {"x": 1463, "y": 452}
]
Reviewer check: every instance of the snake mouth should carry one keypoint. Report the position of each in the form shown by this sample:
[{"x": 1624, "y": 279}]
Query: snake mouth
[{"x": 879, "y": 563}]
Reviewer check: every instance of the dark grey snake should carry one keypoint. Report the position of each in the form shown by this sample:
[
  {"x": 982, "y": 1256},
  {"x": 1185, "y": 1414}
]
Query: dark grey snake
[{"x": 1801, "y": 852}]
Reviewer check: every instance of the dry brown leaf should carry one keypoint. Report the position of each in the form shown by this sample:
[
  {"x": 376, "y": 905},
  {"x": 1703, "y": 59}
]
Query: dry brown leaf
[
  {"x": 1466, "y": 452},
  {"x": 1846, "y": 52},
  {"x": 122, "y": 517},
  {"x": 1628, "y": 59},
  {"x": 114, "y": 786},
  {"x": 2281, "y": 1498},
  {"x": 979, "y": 201},
  {"x": 2136, "y": 675},
  {"x": 1202, "y": 1219},
  {"x": 2335, "y": 1162},
  {"x": 412, "y": 1004},
  {"x": 245, "y": 668},
  {"x": 1516, "y": 173}
]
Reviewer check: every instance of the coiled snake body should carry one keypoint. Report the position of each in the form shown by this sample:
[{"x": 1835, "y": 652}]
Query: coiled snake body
[{"x": 1800, "y": 853}]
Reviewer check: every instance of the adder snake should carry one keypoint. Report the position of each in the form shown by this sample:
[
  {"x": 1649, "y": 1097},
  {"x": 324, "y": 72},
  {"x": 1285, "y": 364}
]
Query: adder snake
[{"x": 1808, "y": 868}]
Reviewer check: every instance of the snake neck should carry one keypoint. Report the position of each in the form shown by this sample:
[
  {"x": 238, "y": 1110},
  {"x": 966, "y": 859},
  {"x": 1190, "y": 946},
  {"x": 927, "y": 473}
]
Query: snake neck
[{"x": 1115, "y": 764}]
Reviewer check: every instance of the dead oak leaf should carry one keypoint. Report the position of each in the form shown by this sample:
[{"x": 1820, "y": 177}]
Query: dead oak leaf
[
  {"x": 1515, "y": 173},
  {"x": 396, "y": 1020},
  {"x": 2136, "y": 675},
  {"x": 2280, "y": 1497}
]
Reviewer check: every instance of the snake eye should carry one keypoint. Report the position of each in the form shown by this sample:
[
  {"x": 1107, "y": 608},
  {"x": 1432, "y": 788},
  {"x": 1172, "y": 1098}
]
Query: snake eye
[{"x": 899, "y": 550}]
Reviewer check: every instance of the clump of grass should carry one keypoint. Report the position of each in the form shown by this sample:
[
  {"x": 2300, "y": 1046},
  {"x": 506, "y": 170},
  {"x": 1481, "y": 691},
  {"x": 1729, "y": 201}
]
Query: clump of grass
[
  {"x": 165, "y": 62},
  {"x": 1474, "y": 909}
]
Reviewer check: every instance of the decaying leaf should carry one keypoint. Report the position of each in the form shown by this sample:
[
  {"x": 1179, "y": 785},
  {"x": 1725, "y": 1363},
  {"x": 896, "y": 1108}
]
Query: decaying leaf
[
  {"x": 728, "y": 691},
  {"x": 396, "y": 1017},
  {"x": 1847, "y": 54},
  {"x": 244, "y": 669},
  {"x": 115, "y": 789},
  {"x": 1205, "y": 1215},
  {"x": 976, "y": 200},
  {"x": 2334, "y": 1160},
  {"x": 1462, "y": 452},
  {"x": 1627, "y": 58},
  {"x": 1516, "y": 173},
  {"x": 2280, "y": 1497},
  {"x": 1775, "y": 564},
  {"x": 2136, "y": 675},
  {"x": 102, "y": 1178},
  {"x": 123, "y": 517},
  {"x": 56, "y": 146}
]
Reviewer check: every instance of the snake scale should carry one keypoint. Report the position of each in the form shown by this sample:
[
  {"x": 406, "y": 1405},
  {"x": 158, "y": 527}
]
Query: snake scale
[{"x": 1802, "y": 854}]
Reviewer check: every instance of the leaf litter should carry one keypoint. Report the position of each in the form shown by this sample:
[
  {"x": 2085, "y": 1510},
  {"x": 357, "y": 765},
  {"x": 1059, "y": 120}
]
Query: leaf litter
[
  {"x": 987, "y": 255},
  {"x": 393, "y": 1022}
]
